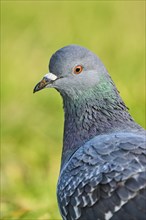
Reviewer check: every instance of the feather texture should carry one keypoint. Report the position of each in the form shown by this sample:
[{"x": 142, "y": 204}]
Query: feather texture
[{"x": 103, "y": 177}]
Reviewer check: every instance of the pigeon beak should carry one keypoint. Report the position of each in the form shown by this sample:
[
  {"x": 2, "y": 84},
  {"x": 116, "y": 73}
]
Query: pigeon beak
[{"x": 47, "y": 80}]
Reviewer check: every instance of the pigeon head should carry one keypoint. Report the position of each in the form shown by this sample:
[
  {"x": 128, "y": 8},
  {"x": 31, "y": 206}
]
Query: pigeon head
[
  {"x": 72, "y": 69},
  {"x": 92, "y": 104}
]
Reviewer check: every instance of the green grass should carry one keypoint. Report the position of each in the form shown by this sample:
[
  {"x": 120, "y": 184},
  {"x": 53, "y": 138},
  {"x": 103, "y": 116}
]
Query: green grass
[{"x": 32, "y": 125}]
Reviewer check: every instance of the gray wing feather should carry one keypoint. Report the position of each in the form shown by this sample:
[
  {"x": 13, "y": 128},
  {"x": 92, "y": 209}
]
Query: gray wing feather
[{"x": 103, "y": 177}]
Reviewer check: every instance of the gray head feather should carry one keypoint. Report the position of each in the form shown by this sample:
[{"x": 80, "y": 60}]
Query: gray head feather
[{"x": 64, "y": 61}]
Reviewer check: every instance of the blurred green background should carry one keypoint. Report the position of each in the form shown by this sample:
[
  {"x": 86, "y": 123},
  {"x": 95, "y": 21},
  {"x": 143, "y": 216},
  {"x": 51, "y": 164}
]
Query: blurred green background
[{"x": 32, "y": 125}]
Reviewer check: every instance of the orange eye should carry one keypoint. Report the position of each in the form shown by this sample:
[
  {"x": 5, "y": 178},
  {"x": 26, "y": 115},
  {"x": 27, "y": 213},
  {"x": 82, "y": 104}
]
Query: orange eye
[{"x": 78, "y": 69}]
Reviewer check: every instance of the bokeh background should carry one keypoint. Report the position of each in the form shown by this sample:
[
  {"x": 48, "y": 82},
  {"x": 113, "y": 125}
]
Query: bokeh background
[{"x": 32, "y": 125}]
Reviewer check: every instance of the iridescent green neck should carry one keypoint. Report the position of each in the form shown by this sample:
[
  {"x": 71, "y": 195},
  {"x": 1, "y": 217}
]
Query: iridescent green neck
[{"x": 92, "y": 112}]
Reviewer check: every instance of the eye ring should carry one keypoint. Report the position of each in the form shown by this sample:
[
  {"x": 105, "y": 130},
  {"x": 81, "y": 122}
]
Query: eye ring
[{"x": 78, "y": 69}]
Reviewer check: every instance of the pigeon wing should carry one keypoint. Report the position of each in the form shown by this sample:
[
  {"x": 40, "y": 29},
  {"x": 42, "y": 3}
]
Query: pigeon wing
[{"x": 105, "y": 179}]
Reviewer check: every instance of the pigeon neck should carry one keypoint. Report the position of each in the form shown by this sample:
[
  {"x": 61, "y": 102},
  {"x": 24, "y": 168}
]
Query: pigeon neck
[{"x": 92, "y": 113}]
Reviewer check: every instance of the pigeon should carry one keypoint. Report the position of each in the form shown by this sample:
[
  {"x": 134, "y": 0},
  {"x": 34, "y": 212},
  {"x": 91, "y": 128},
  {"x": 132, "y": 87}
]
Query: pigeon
[{"x": 103, "y": 164}]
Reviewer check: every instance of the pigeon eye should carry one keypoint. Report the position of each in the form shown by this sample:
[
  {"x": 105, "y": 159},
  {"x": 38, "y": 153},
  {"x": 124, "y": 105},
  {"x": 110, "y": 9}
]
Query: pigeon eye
[{"x": 78, "y": 69}]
